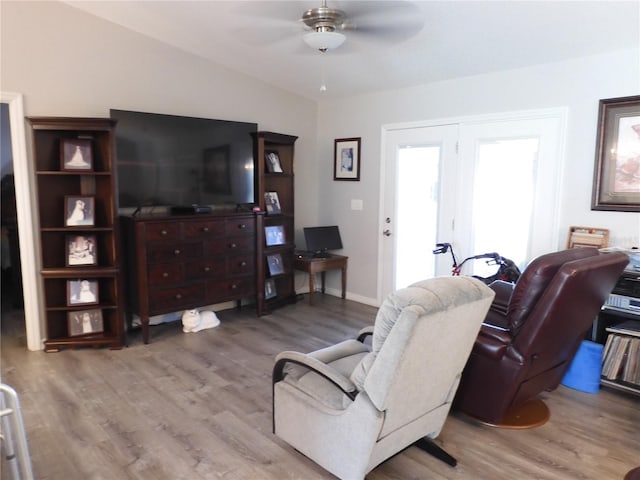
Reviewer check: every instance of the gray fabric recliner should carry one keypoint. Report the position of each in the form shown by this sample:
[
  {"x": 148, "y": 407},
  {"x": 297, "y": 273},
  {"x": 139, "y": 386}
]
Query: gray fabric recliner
[{"x": 349, "y": 407}]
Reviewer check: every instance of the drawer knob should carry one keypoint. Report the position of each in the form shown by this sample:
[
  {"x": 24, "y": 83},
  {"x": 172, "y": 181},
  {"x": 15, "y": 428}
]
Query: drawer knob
[
  {"x": 243, "y": 264},
  {"x": 163, "y": 232},
  {"x": 234, "y": 287},
  {"x": 165, "y": 274},
  {"x": 232, "y": 245},
  {"x": 176, "y": 251},
  {"x": 242, "y": 226},
  {"x": 178, "y": 296},
  {"x": 205, "y": 229},
  {"x": 207, "y": 269}
]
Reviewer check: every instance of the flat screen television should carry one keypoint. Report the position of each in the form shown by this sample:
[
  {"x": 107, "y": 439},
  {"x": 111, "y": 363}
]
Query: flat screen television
[
  {"x": 320, "y": 240},
  {"x": 169, "y": 160}
]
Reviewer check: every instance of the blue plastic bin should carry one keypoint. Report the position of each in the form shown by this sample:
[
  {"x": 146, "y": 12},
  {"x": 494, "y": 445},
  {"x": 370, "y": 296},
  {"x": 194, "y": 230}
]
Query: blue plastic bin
[{"x": 586, "y": 367}]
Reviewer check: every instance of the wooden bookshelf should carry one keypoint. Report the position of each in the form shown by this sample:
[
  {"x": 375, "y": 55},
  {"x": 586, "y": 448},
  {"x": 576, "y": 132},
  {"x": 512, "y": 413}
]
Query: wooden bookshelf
[
  {"x": 73, "y": 161},
  {"x": 275, "y": 287}
]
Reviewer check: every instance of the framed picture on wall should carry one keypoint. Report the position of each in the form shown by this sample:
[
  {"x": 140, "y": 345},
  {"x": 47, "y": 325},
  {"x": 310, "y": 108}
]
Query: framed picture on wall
[
  {"x": 616, "y": 182},
  {"x": 76, "y": 154},
  {"x": 346, "y": 159}
]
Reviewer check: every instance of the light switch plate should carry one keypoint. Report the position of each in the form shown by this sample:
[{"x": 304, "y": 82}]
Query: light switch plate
[{"x": 356, "y": 204}]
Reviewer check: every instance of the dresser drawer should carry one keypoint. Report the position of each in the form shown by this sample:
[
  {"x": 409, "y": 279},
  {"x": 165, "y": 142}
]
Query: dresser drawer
[
  {"x": 230, "y": 245},
  {"x": 207, "y": 268},
  {"x": 203, "y": 229},
  {"x": 162, "y": 231},
  {"x": 165, "y": 274},
  {"x": 241, "y": 265},
  {"x": 240, "y": 226},
  {"x": 232, "y": 288},
  {"x": 173, "y": 251},
  {"x": 173, "y": 299}
]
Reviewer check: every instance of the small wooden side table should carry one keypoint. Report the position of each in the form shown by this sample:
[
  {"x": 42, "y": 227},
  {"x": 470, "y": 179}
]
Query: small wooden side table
[{"x": 313, "y": 265}]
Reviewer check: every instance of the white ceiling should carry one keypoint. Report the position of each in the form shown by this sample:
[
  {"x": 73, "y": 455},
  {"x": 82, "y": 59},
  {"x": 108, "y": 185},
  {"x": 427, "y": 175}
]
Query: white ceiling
[{"x": 395, "y": 43}]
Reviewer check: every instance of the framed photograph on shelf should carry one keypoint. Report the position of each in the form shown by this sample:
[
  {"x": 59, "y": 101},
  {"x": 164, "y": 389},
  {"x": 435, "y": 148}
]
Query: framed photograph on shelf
[
  {"x": 79, "y": 211},
  {"x": 346, "y": 159},
  {"x": 274, "y": 235},
  {"x": 616, "y": 182},
  {"x": 81, "y": 250},
  {"x": 275, "y": 264},
  {"x": 76, "y": 154},
  {"x": 82, "y": 292},
  {"x": 269, "y": 288},
  {"x": 272, "y": 203},
  {"x": 272, "y": 159},
  {"x": 85, "y": 322}
]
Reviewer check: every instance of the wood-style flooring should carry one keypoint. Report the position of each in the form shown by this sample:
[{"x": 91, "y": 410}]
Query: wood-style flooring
[{"x": 198, "y": 406}]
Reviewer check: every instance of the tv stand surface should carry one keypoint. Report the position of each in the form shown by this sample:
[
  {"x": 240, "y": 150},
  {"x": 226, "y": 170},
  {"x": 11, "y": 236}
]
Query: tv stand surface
[{"x": 190, "y": 209}]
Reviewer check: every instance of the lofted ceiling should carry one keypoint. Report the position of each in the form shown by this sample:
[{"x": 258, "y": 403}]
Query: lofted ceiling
[{"x": 390, "y": 44}]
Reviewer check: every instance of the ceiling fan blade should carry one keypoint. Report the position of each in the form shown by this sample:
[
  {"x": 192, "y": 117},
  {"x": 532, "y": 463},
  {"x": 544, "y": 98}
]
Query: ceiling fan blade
[
  {"x": 379, "y": 12},
  {"x": 383, "y": 21},
  {"x": 267, "y": 23},
  {"x": 265, "y": 35},
  {"x": 268, "y": 10},
  {"x": 385, "y": 34}
]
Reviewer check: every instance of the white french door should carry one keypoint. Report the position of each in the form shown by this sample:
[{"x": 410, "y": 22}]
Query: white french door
[
  {"x": 483, "y": 186},
  {"x": 420, "y": 164}
]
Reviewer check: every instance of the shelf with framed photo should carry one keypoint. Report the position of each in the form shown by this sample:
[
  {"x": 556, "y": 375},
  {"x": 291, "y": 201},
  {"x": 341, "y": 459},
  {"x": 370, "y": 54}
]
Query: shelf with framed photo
[
  {"x": 272, "y": 203},
  {"x": 75, "y": 182},
  {"x": 275, "y": 192}
]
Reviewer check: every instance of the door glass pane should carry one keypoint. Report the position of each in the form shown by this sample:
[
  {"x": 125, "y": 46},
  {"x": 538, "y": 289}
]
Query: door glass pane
[
  {"x": 503, "y": 196},
  {"x": 417, "y": 213}
]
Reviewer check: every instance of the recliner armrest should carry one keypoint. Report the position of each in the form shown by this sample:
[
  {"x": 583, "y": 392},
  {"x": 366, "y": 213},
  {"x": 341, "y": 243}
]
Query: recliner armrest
[
  {"x": 364, "y": 333},
  {"x": 503, "y": 296},
  {"x": 322, "y": 369},
  {"x": 491, "y": 342},
  {"x": 496, "y": 332}
]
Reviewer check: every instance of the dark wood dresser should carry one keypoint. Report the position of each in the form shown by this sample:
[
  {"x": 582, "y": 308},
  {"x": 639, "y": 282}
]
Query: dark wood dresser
[{"x": 179, "y": 262}]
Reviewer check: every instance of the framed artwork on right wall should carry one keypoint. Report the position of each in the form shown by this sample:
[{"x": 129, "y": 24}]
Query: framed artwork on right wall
[{"x": 616, "y": 180}]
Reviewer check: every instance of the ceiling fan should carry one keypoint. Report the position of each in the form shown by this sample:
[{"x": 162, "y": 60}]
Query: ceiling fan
[
  {"x": 351, "y": 25},
  {"x": 323, "y": 22},
  {"x": 391, "y": 20}
]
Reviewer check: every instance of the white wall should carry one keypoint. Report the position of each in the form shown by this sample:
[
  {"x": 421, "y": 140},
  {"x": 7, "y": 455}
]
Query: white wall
[
  {"x": 576, "y": 84},
  {"x": 68, "y": 63}
]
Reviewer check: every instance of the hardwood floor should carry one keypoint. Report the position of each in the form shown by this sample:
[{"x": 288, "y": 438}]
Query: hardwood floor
[{"x": 198, "y": 406}]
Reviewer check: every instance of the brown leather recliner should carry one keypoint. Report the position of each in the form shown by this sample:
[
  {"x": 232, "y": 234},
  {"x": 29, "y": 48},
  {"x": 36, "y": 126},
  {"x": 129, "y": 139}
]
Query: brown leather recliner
[{"x": 532, "y": 333}]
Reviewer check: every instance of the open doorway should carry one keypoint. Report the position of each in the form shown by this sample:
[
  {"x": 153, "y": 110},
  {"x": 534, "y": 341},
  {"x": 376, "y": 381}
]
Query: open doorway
[
  {"x": 9, "y": 246},
  {"x": 27, "y": 269},
  {"x": 11, "y": 302}
]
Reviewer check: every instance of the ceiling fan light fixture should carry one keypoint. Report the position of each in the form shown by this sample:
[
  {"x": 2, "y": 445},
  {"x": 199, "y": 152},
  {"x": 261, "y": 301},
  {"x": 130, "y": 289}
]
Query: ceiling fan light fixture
[{"x": 324, "y": 41}]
